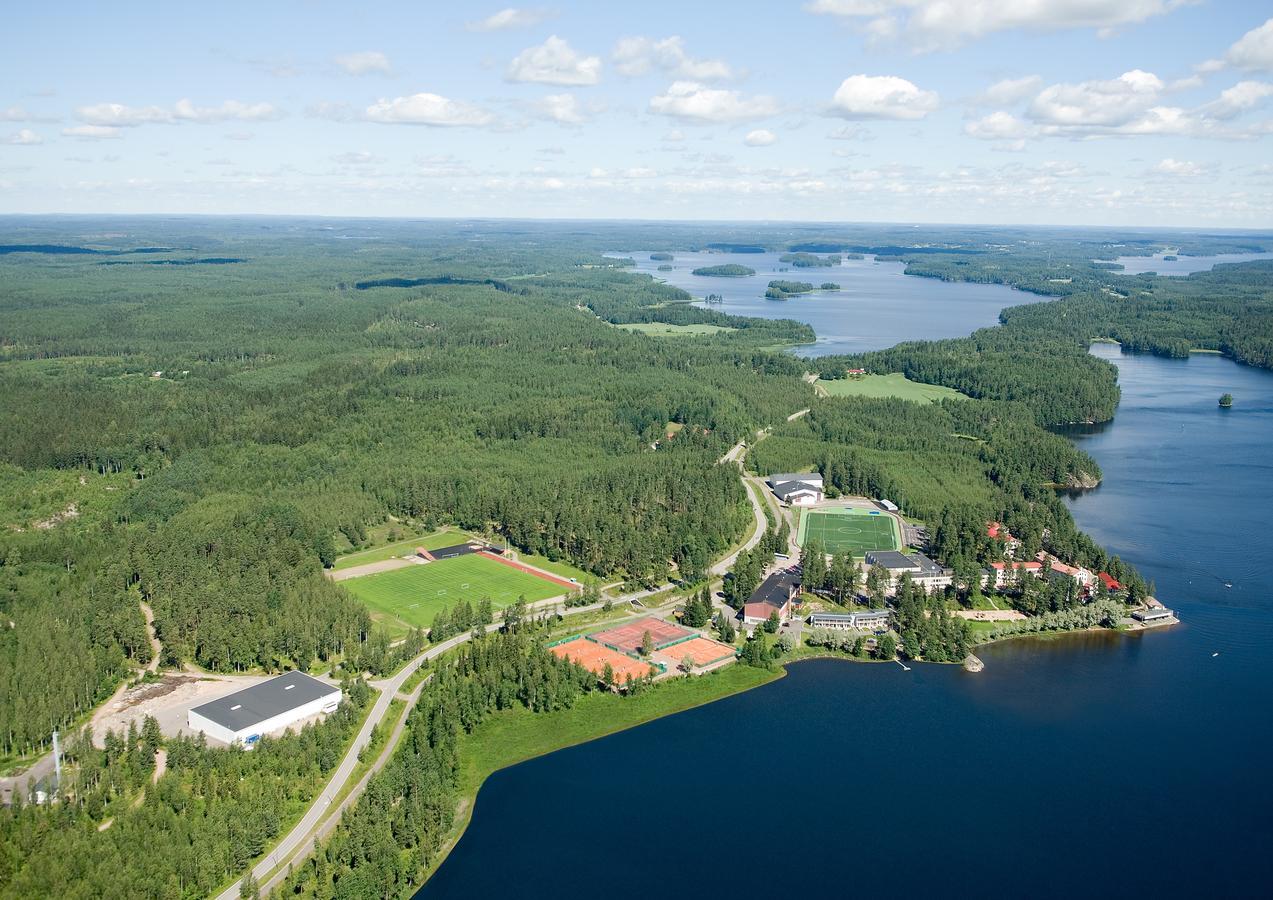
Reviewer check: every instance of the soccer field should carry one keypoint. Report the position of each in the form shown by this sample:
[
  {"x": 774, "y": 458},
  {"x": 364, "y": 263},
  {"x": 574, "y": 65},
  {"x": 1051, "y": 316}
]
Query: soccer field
[
  {"x": 859, "y": 531},
  {"x": 412, "y": 595}
]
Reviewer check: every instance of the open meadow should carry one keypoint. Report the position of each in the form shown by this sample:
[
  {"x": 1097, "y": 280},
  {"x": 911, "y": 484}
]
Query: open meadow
[{"x": 894, "y": 384}]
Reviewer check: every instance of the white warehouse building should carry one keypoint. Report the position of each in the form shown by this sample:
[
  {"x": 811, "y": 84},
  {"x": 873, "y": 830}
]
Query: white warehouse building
[{"x": 246, "y": 715}]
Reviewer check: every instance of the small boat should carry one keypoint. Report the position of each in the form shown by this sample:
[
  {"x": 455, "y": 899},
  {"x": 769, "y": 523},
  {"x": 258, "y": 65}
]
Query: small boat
[
  {"x": 1214, "y": 655},
  {"x": 1228, "y": 584}
]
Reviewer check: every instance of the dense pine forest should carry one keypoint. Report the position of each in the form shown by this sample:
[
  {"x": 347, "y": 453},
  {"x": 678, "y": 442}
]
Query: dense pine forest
[
  {"x": 202, "y": 438},
  {"x": 202, "y": 414}
]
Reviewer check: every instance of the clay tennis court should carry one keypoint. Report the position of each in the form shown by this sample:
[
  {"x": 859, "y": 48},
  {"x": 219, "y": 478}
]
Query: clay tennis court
[
  {"x": 538, "y": 573},
  {"x": 593, "y": 657},
  {"x": 700, "y": 650},
  {"x": 626, "y": 638}
]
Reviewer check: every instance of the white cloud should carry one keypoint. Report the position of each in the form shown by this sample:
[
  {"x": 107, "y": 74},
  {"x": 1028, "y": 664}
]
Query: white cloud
[
  {"x": 1098, "y": 104},
  {"x": 14, "y": 114},
  {"x": 999, "y": 126},
  {"x": 91, "y": 132},
  {"x": 365, "y": 63},
  {"x": 1134, "y": 104},
  {"x": 881, "y": 97},
  {"x": 1180, "y": 168},
  {"x": 695, "y": 102},
  {"x": 509, "y": 19},
  {"x": 930, "y": 24},
  {"x": 24, "y": 137},
  {"x": 427, "y": 109},
  {"x": 851, "y": 133},
  {"x": 761, "y": 137},
  {"x": 230, "y": 109},
  {"x": 356, "y": 158},
  {"x": 638, "y": 55},
  {"x": 336, "y": 112},
  {"x": 117, "y": 115},
  {"x": 554, "y": 62},
  {"x": 1254, "y": 50},
  {"x": 563, "y": 108},
  {"x": 1242, "y": 97},
  {"x": 675, "y": 136},
  {"x": 1010, "y": 90}
]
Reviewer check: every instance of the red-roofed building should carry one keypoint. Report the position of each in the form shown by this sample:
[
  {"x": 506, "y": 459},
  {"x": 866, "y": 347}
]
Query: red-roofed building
[
  {"x": 996, "y": 532},
  {"x": 1079, "y": 575},
  {"x": 1003, "y": 574},
  {"x": 1111, "y": 583}
]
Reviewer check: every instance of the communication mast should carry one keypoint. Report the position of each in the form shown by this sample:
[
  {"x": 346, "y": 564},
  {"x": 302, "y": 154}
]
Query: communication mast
[{"x": 57, "y": 765}]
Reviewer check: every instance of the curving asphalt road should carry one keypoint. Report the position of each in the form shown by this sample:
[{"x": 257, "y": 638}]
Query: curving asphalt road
[{"x": 298, "y": 842}]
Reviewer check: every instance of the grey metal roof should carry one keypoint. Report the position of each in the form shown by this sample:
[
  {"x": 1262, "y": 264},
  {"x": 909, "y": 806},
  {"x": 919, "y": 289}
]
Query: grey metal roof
[
  {"x": 776, "y": 589},
  {"x": 266, "y": 700},
  {"x": 785, "y": 489},
  {"x": 928, "y": 566},
  {"x": 891, "y": 559},
  {"x": 812, "y": 478}
]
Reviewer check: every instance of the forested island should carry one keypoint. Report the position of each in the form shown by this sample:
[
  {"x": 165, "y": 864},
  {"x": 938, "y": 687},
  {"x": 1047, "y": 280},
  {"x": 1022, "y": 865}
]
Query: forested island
[
  {"x": 809, "y": 260},
  {"x": 203, "y": 447},
  {"x": 781, "y": 290},
  {"x": 728, "y": 270}
]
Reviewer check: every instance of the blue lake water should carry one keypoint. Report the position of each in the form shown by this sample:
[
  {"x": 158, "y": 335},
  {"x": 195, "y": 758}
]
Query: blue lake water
[
  {"x": 1182, "y": 265},
  {"x": 877, "y": 305},
  {"x": 1090, "y": 765}
]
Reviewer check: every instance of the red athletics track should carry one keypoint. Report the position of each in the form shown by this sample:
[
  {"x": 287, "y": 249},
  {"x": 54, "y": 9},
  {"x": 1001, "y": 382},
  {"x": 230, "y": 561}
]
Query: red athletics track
[{"x": 569, "y": 585}]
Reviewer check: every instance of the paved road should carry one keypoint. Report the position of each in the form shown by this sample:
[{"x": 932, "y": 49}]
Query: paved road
[{"x": 302, "y": 835}]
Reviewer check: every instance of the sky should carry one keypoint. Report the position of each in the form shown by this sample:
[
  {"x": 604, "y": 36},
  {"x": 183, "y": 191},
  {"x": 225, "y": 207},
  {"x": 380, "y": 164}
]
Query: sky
[{"x": 1064, "y": 112}]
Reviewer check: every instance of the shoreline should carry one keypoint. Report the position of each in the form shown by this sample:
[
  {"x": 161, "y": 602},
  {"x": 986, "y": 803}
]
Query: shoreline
[{"x": 466, "y": 801}]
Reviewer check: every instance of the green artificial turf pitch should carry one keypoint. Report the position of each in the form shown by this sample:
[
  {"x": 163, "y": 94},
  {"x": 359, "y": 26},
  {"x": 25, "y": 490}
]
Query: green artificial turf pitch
[
  {"x": 415, "y": 593},
  {"x": 855, "y": 530}
]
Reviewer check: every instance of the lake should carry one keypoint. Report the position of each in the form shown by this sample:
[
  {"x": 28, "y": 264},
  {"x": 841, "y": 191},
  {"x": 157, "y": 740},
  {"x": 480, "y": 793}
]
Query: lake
[
  {"x": 1089, "y": 765},
  {"x": 877, "y": 306},
  {"x": 1182, "y": 265}
]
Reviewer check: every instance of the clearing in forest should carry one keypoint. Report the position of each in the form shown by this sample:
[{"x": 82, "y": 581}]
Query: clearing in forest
[
  {"x": 415, "y": 594},
  {"x": 404, "y": 547},
  {"x": 895, "y": 384},
  {"x": 664, "y": 329},
  {"x": 860, "y": 531}
]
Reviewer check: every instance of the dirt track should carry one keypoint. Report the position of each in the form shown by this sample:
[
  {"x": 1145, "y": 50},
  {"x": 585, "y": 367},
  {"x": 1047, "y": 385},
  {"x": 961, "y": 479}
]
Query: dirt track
[{"x": 385, "y": 565}]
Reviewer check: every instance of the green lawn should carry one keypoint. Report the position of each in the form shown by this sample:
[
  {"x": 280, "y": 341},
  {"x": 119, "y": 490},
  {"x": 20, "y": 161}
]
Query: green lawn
[
  {"x": 442, "y": 538},
  {"x": 557, "y": 567},
  {"x": 855, "y": 530},
  {"x": 894, "y": 384},
  {"x": 662, "y": 329},
  {"x": 411, "y": 596}
]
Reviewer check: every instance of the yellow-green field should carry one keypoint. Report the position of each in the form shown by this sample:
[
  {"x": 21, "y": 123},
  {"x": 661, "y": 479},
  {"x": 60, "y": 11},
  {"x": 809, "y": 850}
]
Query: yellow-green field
[
  {"x": 895, "y": 384},
  {"x": 662, "y": 329},
  {"x": 411, "y": 596}
]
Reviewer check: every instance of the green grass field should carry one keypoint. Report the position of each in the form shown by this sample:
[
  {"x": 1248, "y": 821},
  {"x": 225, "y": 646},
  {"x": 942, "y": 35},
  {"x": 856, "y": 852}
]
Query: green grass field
[
  {"x": 855, "y": 530},
  {"x": 557, "y": 567},
  {"x": 662, "y": 329},
  {"x": 894, "y": 384},
  {"x": 443, "y": 538},
  {"x": 413, "y": 595}
]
